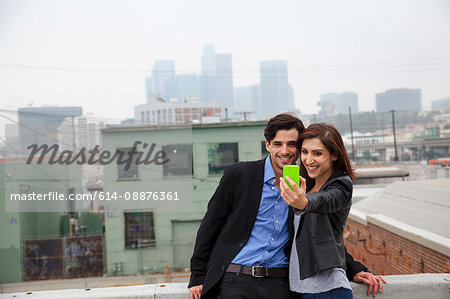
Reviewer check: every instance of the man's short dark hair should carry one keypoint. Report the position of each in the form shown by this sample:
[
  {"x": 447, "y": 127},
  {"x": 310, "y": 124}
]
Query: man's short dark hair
[{"x": 283, "y": 121}]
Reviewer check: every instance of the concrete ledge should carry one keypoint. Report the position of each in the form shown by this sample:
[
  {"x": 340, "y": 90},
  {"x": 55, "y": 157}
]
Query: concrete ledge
[
  {"x": 358, "y": 216},
  {"x": 417, "y": 286}
]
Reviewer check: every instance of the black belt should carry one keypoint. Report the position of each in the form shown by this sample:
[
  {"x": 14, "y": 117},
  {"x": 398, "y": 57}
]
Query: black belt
[{"x": 258, "y": 271}]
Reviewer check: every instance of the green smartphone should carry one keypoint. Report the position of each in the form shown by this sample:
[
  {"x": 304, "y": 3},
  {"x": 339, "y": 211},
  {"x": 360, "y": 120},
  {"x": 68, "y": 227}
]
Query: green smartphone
[{"x": 292, "y": 171}]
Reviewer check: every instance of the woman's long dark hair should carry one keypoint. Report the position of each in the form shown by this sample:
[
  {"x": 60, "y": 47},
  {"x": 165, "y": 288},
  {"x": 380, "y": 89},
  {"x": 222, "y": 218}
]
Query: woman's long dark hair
[{"x": 332, "y": 140}]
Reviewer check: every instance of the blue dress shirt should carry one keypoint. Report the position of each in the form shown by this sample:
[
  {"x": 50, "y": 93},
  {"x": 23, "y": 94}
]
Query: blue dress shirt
[{"x": 265, "y": 247}]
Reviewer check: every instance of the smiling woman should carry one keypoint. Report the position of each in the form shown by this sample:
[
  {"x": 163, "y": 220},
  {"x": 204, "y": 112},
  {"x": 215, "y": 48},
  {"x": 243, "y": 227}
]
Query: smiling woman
[
  {"x": 322, "y": 152},
  {"x": 323, "y": 205}
]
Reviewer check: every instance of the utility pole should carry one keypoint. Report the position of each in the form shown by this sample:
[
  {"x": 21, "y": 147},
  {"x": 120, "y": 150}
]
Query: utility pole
[
  {"x": 395, "y": 137},
  {"x": 245, "y": 114},
  {"x": 351, "y": 131}
]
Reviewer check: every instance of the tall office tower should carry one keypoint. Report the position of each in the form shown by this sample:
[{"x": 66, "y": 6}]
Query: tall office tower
[
  {"x": 342, "y": 101},
  {"x": 216, "y": 81},
  {"x": 40, "y": 125},
  {"x": 80, "y": 132},
  {"x": 275, "y": 91},
  {"x": 292, "y": 99},
  {"x": 441, "y": 105},
  {"x": 148, "y": 88},
  {"x": 327, "y": 107},
  {"x": 163, "y": 79},
  {"x": 347, "y": 99},
  {"x": 187, "y": 84},
  {"x": 401, "y": 99},
  {"x": 247, "y": 99}
]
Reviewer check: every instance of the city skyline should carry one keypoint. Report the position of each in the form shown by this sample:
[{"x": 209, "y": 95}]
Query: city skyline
[{"x": 98, "y": 55}]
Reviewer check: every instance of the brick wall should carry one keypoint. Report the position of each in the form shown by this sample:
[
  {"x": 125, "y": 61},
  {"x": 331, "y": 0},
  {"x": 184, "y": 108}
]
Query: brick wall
[{"x": 386, "y": 253}]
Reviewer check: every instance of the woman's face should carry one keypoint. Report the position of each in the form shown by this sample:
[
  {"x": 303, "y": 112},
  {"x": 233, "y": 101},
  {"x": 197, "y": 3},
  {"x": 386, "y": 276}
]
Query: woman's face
[{"x": 317, "y": 159}]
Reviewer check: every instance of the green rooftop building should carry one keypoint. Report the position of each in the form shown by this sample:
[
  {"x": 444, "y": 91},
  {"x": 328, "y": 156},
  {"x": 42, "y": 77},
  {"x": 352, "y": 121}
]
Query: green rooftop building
[{"x": 142, "y": 236}]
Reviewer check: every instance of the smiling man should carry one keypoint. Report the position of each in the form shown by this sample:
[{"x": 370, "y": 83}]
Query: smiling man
[{"x": 243, "y": 243}]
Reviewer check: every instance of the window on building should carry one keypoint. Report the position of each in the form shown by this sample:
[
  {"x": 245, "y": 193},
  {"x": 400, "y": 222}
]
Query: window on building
[
  {"x": 264, "y": 152},
  {"x": 139, "y": 230},
  {"x": 221, "y": 155},
  {"x": 180, "y": 160},
  {"x": 132, "y": 171}
]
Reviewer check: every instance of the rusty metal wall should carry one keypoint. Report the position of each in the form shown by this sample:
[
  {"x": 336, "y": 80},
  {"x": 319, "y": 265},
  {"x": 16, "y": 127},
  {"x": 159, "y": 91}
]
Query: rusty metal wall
[{"x": 63, "y": 258}]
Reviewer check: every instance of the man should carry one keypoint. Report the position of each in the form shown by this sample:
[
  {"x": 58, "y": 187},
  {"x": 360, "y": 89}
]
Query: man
[{"x": 243, "y": 242}]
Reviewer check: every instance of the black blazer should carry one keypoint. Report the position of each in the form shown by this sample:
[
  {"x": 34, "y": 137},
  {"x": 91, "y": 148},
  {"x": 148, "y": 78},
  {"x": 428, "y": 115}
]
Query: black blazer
[
  {"x": 319, "y": 239},
  {"x": 228, "y": 223}
]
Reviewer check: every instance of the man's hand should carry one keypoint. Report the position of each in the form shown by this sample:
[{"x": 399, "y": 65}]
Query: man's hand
[
  {"x": 195, "y": 291},
  {"x": 375, "y": 282}
]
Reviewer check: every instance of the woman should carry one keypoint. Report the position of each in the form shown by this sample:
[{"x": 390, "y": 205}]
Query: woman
[{"x": 321, "y": 206}]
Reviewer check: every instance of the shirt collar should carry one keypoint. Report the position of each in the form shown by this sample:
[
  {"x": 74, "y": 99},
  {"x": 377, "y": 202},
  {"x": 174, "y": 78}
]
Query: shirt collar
[{"x": 269, "y": 174}]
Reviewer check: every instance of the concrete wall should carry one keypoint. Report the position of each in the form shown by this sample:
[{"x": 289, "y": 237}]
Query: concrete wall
[
  {"x": 419, "y": 286},
  {"x": 388, "y": 252}
]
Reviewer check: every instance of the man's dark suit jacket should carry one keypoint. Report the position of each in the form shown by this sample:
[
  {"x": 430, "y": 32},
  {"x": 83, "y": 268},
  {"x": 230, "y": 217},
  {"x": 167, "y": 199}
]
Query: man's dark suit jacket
[{"x": 228, "y": 223}]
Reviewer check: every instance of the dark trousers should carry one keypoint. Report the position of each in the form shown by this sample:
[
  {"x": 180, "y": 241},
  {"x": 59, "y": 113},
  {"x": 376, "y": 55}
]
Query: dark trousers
[
  {"x": 339, "y": 293},
  {"x": 241, "y": 286}
]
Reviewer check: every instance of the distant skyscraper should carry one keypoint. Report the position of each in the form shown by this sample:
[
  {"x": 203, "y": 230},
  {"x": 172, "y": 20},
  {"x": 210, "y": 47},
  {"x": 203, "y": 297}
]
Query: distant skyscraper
[
  {"x": 327, "y": 107},
  {"x": 275, "y": 90},
  {"x": 163, "y": 79},
  {"x": 216, "y": 81},
  {"x": 148, "y": 88},
  {"x": 401, "y": 99},
  {"x": 187, "y": 84},
  {"x": 40, "y": 125},
  {"x": 441, "y": 105},
  {"x": 342, "y": 101},
  {"x": 82, "y": 131}
]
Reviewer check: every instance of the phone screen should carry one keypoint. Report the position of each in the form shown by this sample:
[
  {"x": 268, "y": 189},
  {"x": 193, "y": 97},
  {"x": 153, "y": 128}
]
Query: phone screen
[{"x": 292, "y": 171}]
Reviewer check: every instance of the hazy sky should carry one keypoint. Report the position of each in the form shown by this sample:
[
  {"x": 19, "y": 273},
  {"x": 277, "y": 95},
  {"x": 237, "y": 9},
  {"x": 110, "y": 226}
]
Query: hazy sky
[{"x": 97, "y": 53}]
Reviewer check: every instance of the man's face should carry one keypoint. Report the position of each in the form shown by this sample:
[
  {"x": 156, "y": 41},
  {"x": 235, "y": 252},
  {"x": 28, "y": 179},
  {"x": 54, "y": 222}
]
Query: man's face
[{"x": 283, "y": 149}]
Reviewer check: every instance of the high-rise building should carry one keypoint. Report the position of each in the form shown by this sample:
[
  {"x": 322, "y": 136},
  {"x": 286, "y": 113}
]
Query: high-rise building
[
  {"x": 400, "y": 99},
  {"x": 80, "y": 132},
  {"x": 216, "y": 80},
  {"x": 441, "y": 105},
  {"x": 327, "y": 107},
  {"x": 163, "y": 79},
  {"x": 187, "y": 84},
  {"x": 40, "y": 125},
  {"x": 148, "y": 88},
  {"x": 276, "y": 93},
  {"x": 342, "y": 101}
]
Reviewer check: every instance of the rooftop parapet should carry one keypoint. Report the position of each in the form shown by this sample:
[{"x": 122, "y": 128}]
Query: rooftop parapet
[{"x": 416, "y": 286}]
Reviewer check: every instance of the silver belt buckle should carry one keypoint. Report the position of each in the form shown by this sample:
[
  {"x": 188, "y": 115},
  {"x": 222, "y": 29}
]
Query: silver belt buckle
[{"x": 254, "y": 271}]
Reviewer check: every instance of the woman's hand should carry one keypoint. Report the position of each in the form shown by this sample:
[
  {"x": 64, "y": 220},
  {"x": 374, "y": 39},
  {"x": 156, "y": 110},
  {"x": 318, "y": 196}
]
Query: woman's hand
[
  {"x": 297, "y": 197},
  {"x": 374, "y": 282}
]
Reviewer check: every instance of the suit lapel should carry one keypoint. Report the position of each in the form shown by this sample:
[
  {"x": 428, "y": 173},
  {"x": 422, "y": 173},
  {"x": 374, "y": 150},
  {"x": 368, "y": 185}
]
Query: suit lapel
[{"x": 255, "y": 186}]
